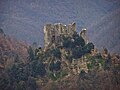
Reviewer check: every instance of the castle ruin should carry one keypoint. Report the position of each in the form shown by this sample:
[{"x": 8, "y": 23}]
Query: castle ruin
[
  {"x": 83, "y": 35},
  {"x": 54, "y": 32}
]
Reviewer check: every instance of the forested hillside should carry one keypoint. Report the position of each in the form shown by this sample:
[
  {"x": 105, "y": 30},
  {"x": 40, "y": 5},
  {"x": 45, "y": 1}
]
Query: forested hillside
[{"x": 74, "y": 65}]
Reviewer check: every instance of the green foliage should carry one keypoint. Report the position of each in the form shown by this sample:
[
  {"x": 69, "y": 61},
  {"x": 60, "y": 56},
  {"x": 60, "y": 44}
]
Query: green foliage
[
  {"x": 102, "y": 62},
  {"x": 98, "y": 56},
  {"x": 31, "y": 53},
  {"x": 52, "y": 77},
  {"x": 67, "y": 43},
  {"x": 77, "y": 52},
  {"x": 74, "y": 41},
  {"x": 31, "y": 82},
  {"x": 87, "y": 48},
  {"x": 92, "y": 61},
  {"x": 21, "y": 85},
  {"x": 69, "y": 57},
  {"x": 37, "y": 68},
  {"x": 63, "y": 73},
  {"x": 15, "y": 78},
  {"x": 55, "y": 66},
  {"x": 56, "y": 52},
  {"x": 88, "y": 56},
  {"x": 78, "y": 40},
  {"x": 77, "y": 44},
  {"x": 4, "y": 83},
  {"x": 57, "y": 75},
  {"x": 108, "y": 63},
  {"x": 17, "y": 73},
  {"x": 82, "y": 74},
  {"x": 89, "y": 66}
]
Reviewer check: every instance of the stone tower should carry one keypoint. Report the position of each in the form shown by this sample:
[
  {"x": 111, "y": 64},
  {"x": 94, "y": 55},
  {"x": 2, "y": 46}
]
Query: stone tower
[
  {"x": 47, "y": 34},
  {"x": 53, "y": 33},
  {"x": 83, "y": 35}
]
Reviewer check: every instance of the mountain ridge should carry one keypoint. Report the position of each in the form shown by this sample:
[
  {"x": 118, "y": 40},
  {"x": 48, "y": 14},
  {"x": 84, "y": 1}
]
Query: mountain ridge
[{"x": 23, "y": 18}]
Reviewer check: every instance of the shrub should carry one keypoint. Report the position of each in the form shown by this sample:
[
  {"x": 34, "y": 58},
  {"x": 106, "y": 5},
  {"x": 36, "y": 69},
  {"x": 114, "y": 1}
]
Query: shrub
[
  {"x": 38, "y": 68},
  {"x": 55, "y": 66},
  {"x": 56, "y": 52},
  {"x": 78, "y": 40},
  {"x": 87, "y": 48},
  {"x": 77, "y": 52}
]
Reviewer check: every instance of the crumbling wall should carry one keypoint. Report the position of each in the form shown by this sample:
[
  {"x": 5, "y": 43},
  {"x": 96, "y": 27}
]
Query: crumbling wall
[
  {"x": 84, "y": 35},
  {"x": 52, "y": 33}
]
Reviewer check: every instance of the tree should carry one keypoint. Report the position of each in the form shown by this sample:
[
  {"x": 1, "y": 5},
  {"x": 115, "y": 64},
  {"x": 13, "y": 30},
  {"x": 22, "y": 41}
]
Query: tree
[
  {"x": 51, "y": 67},
  {"x": 4, "y": 82},
  {"x": 78, "y": 40},
  {"x": 17, "y": 73},
  {"x": 55, "y": 66},
  {"x": 67, "y": 43},
  {"x": 77, "y": 52},
  {"x": 31, "y": 53},
  {"x": 38, "y": 68},
  {"x": 56, "y": 52},
  {"x": 74, "y": 41},
  {"x": 82, "y": 74},
  {"x": 31, "y": 83},
  {"x": 108, "y": 62},
  {"x": 21, "y": 86},
  {"x": 87, "y": 48}
]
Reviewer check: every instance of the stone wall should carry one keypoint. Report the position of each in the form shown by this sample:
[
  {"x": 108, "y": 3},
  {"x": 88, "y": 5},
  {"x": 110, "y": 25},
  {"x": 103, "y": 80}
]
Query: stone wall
[
  {"x": 84, "y": 36},
  {"x": 53, "y": 32}
]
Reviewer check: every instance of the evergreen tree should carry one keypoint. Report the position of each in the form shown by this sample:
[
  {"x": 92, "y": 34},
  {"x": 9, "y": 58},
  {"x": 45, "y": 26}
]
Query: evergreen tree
[
  {"x": 31, "y": 53},
  {"x": 37, "y": 68},
  {"x": 87, "y": 48},
  {"x": 78, "y": 40},
  {"x": 55, "y": 66}
]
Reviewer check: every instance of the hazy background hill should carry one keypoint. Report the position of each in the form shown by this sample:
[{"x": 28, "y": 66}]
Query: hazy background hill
[
  {"x": 106, "y": 32},
  {"x": 12, "y": 49},
  {"x": 24, "y": 19}
]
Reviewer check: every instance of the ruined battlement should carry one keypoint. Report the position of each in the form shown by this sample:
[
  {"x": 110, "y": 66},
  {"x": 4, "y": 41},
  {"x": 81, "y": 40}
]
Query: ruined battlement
[{"x": 53, "y": 32}]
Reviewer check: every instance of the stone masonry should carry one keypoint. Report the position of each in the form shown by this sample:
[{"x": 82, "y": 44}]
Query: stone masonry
[{"x": 53, "y": 33}]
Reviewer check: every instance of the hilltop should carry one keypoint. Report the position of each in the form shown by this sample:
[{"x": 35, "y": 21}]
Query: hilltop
[{"x": 71, "y": 63}]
